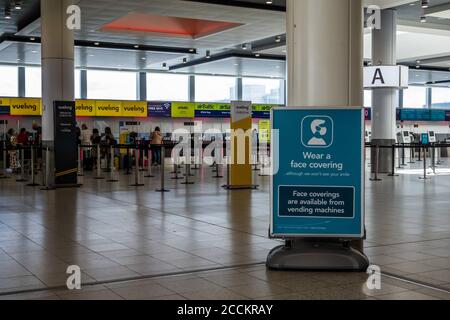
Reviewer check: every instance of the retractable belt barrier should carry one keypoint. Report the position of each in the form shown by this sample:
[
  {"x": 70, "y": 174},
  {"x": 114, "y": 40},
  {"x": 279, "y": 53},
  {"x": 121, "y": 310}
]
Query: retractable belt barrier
[{"x": 423, "y": 148}]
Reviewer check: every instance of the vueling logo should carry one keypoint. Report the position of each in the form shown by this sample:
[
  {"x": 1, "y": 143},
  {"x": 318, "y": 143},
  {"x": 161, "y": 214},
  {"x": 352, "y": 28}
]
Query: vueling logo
[
  {"x": 109, "y": 107},
  {"x": 25, "y": 106},
  {"x": 134, "y": 108},
  {"x": 84, "y": 107}
]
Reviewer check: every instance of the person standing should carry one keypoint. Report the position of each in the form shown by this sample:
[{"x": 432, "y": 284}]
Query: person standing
[
  {"x": 85, "y": 138},
  {"x": 95, "y": 140},
  {"x": 14, "y": 164},
  {"x": 156, "y": 142}
]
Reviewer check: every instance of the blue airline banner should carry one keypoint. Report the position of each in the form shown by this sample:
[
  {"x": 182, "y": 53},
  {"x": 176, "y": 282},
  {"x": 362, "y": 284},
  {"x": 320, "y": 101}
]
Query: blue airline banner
[
  {"x": 160, "y": 109},
  {"x": 318, "y": 179}
]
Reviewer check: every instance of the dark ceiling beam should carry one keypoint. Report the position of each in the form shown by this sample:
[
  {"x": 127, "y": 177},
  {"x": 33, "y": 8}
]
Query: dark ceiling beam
[
  {"x": 31, "y": 14},
  {"x": 226, "y": 55},
  {"x": 242, "y": 4},
  {"x": 105, "y": 45}
]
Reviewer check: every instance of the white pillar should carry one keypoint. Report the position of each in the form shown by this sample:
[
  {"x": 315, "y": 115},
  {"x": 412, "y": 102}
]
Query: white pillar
[
  {"x": 325, "y": 53},
  {"x": 57, "y": 61},
  {"x": 57, "y": 69},
  {"x": 384, "y": 100}
]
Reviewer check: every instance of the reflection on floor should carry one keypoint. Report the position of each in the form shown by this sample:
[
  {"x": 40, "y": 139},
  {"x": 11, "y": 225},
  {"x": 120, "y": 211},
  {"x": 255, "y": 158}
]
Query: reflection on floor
[{"x": 117, "y": 232}]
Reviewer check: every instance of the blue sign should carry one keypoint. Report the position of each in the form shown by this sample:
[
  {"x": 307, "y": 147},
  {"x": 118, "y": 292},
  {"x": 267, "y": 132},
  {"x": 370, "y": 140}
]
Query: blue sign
[
  {"x": 160, "y": 109},
  {"x": 424, "y": 138},
  {"x": 318, "y": 180}
]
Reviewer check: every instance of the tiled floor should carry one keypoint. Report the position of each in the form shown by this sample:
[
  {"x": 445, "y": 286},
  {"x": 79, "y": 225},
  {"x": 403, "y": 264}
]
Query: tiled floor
[{"x": 117, "y": 232}]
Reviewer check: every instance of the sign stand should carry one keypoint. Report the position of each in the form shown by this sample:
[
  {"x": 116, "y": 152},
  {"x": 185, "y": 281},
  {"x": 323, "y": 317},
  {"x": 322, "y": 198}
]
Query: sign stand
[
  {"x": 65, "y": 146},
  {"x": 317, "y": 189}
]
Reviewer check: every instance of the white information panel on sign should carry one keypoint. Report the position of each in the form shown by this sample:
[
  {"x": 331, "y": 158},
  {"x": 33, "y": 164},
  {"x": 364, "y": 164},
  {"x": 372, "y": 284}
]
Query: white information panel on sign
[{"x": 386, "y": 77}]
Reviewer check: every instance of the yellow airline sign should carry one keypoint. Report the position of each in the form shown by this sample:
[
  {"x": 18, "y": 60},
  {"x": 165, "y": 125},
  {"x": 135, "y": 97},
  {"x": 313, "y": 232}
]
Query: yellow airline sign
[
  {"x": 106, "y": 108},
  {"x": 85, "y": 108},
  {"x": 4, "y": 102},
  {"x": 134, "y": 108},
  {"x": 183, "y": 109},
  {"x": 25, "y": 107}
]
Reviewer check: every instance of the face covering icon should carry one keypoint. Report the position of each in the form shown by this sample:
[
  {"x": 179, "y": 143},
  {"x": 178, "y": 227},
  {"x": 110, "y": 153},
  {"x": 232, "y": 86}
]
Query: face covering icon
[{"x": 319, "y": 131}]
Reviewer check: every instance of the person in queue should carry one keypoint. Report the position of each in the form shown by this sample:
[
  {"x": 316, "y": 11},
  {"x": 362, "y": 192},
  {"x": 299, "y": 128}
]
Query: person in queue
[
  {"x": 23, "y": 138},
  {"x": 156, "y": 142},
  {"x": 11, "y": 143},
  {"x": 95, "y": 140},
  {"x": 37, "y": 140},
  {"x": 85, "y": 138},
  {"x": 109, "y": 140}
]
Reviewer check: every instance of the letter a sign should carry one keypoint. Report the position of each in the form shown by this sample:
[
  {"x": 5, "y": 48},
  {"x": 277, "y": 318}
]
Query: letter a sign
[
  {"x": 378, "y": 76},
  {"x": 386, "y": 77}
]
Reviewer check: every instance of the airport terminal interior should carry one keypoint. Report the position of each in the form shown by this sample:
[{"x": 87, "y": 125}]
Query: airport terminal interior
[{"x": 343, "y": 191}]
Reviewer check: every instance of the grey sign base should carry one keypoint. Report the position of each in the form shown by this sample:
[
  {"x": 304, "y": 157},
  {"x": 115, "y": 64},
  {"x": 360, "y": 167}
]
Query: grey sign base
[{"x": 322, "y": 256}]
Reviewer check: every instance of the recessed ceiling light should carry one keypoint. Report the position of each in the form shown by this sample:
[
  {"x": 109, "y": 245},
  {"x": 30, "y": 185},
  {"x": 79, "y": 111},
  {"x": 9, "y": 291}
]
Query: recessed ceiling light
[
  {"x": 269, "y": 1},
  {"x": 144, "y": 58},
  {"x": 425, "y": 4},
  {"x": 278, "y": 39},
  {"x": 32, "y": 38},
  {"x": 96, "y": 43},
  {"x": 191, "y": 50},
  {"x": 257, "y": 55},
  {"x": 136, "y": 46},
  {"x": 33, "y": 51}
]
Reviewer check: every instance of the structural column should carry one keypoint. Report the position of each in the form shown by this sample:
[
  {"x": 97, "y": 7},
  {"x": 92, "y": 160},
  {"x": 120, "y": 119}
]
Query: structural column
[
  {"x": 325, "y": 55},
  {"x": 384, "y": 100},
  {"x": 57, "y": 67}
]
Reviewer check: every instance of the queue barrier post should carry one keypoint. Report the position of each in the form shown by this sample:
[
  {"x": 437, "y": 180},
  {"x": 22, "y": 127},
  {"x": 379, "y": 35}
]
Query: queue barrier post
[
  {"x": 162, "y": 188},
  {"x": 187, "y": 174},
  {"x": 264, "y": 162},
  {"x": 137, "y": 183},
  {"x": 22, "y": 166},
  {"x": 218, "y": 175},
  {"x": 149, "y": 163},
  {"x": 424, "y": 164},
  {"x": 113, "y": 167},
  {"x": 377, "y": 158},
  {"x": 411, "y": 155},
  {"x": 80, "y": 161},
  {"x": 99, "y": 164},
  {"x": 175, "y": 168},
  {"x": 4, "y": 174},
  {"x": 45, "y": 173},
  {"x": 433, "y": 158},
  {"x": 33, "y": 175},
  {"x": 393, "y": 174}
]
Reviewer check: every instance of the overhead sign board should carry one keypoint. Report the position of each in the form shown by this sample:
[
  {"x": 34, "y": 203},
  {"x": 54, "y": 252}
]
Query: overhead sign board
[
  {"x": 386, "y": 77},
  {"x": 212, "y": 110},
  {"x": 318, "y": 178},
  {"x": 134, "y": 108},
  {"x": 25, "y": 107},
  {"x": 85, "y": 108},
  {"x": 159, "y": 109},
  {"x": 183, "y": 110},
  {"x": 105, "y": 108}
]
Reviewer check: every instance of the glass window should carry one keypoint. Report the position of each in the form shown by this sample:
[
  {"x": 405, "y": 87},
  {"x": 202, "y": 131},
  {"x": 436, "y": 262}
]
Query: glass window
[
  {"x": 368, "y": 98},
  {"x": 77, "y": 84},
  {"x": 215, "y": 89},
  {"x": 167, "y": 87},
  {"x": 263, "y": 90},
  {"x": 441, "y": 98},
  {"x": 111, "y": 85},
  {"x": 33, "y": 82},
  {"x": 415, "y": 97},
  {"x": 9, "y": 81}
]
